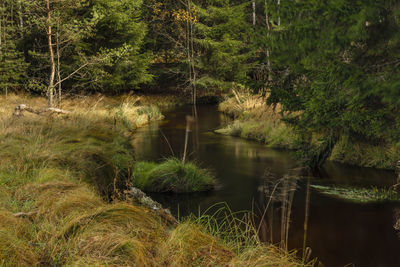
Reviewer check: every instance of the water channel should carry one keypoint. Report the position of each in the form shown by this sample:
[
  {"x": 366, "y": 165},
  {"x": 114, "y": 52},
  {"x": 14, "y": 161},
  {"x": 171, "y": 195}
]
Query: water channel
[{"x": 339, "y": 232}]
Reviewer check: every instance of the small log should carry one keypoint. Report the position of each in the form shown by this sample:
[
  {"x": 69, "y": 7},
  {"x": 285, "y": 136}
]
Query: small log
[
  {"x": 24, "y": 214},
  {"x": 19, "y": 110}
]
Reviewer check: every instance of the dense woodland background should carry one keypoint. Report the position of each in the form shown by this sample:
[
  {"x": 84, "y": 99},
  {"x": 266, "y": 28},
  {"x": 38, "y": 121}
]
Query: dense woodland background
[{"x": 332, "y": 66}]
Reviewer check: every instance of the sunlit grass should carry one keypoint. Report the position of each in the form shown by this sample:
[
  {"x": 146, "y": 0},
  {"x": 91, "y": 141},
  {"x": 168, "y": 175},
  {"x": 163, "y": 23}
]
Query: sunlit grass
[
  {"x": 172, "y": 176},
  {"x": 54, "y": 174},
  {"x": 255, "y": 120}
]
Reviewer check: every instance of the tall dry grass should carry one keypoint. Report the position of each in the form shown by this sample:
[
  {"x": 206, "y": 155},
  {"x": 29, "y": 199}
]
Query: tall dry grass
[
  {"x": 255, "y": 120},
  {"x": 52, "y": 210}
]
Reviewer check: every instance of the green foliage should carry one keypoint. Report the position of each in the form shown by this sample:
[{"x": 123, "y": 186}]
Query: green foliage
[
  {"x": 118, "y": 37},
  {"x": 340, "y": 76},
  {"x": 222, "y": 36},
  {"x": 353, "y": 152},
  {"x": 12, "y": 65},
  {"x": 172, "y": 176}
]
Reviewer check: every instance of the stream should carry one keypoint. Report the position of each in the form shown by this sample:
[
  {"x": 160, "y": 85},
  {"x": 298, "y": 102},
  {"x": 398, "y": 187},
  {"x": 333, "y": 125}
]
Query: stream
[{"x": 338, "y": 232}]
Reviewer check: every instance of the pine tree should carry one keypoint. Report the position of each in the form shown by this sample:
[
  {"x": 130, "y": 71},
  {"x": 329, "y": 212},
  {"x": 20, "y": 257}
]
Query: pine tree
[
  {"x": 222, "y": 39},
  {"x": 12, "y": 64},
  {"x": 337, "y": 64}
]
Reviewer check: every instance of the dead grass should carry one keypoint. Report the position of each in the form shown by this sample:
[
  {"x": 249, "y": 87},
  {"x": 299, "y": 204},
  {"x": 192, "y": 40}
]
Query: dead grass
[
  {"x": 47, "y": 168},
  {"x": 255, "y": 120}
]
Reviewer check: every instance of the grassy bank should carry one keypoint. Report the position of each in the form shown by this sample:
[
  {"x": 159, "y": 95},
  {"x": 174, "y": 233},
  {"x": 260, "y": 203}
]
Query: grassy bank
[
  {"x": 254, "y": 120},
  {"x": 55, "y": 172}
]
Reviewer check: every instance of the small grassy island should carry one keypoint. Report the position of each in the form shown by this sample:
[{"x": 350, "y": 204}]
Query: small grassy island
[{"x": 172, "y": 175}]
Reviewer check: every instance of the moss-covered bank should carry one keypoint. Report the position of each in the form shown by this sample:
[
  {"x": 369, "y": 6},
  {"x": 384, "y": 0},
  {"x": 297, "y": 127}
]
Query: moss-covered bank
[{"x": 52, "y": 169}]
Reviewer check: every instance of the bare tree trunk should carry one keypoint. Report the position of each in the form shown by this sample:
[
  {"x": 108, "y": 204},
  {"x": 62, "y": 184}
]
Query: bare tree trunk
[
  {"x": 1, "y": 28},
  {"x": 279, "y": 11},
  {"x": 194, "y": 89},
  {"x": 50, "y": 90},
  {"x": 21, "y": 19},
  {"x": 188, "y": 44},
  {"x": 58, "y": 63},
  {"x": 254, "y": 13},
  {"x": 269, "y": 69},
  {"x": 267, "y": 15}
]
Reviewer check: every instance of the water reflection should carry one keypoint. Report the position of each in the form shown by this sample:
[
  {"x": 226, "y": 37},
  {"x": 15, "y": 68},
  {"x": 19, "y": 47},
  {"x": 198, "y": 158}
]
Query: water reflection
[{"x": 339, "y": 232}]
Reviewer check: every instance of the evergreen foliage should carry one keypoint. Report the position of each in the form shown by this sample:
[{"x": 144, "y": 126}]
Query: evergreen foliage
[
  {"x": 333, "y": 66},
  {"x": 12, "y": 64},
  {"x": 222, "y": 36},
  {"x": 336, "y": 69}
]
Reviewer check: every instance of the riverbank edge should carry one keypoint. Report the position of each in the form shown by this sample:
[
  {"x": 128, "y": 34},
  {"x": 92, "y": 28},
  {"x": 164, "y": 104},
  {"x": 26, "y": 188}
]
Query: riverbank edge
[
  {"x": 52, "y": 214},
  {"x": 256, "y": 122}
]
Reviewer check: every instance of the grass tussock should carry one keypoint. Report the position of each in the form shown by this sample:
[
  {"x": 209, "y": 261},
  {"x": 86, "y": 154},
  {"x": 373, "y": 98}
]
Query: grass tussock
[
  {"x": 255, "y": 120},
  {"x": 172, "y": 176},
  {"x": 54, "y": 173}
]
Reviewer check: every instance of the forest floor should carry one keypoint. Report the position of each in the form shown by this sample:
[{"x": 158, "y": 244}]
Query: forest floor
[
  {"x": 254, "y": 120},
  {"x": 58, "y": 207}
]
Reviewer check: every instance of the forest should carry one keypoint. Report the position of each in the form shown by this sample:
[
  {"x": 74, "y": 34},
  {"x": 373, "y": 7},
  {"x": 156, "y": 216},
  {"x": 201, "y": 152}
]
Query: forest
[
  {"x": 82, "y": 83},
  {"x": 332, "y": 67}
]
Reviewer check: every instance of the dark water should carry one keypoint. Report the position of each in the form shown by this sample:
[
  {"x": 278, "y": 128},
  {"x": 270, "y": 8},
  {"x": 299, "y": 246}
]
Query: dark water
[{"x": 339, "y": 232}]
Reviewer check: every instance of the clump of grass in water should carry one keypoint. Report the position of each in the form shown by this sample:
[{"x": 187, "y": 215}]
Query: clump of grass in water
[
  {"x": 172, "y": 176},
  {"x": 362, "y": 195}
]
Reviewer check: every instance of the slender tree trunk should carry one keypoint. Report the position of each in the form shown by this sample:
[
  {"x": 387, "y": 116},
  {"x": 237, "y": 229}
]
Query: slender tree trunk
[
  {"x": 254, "y": 13},
  {"x": 267, "y": 15},
  {"x": 58, "y": 63},
  {"x": 193, "y": 71},
  {"x": 188, "y": 44},
  {"x": 279, "y": 12},
  {"x": 1, "y": 28},
  {"x": 269, "y": 69},
  {"x": 50, "y": 90},
  {"x": 21, "y": 19}
]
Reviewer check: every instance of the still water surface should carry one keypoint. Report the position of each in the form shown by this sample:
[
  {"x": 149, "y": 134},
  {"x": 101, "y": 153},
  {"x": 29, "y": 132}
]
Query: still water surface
[{"x": 339, "y": 232}]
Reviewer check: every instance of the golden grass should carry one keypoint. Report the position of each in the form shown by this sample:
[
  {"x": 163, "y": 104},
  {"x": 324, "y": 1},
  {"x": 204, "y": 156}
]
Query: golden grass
[
  {"x": 45, "y": 164},
  {"x": 255, "y": 120}
]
